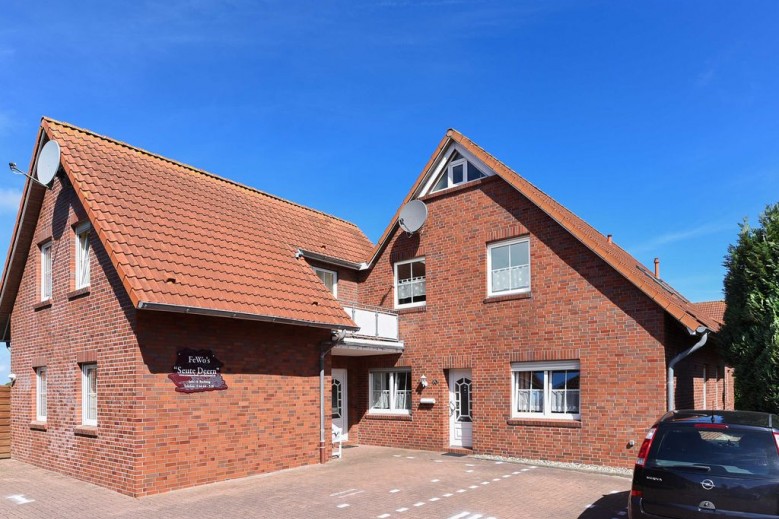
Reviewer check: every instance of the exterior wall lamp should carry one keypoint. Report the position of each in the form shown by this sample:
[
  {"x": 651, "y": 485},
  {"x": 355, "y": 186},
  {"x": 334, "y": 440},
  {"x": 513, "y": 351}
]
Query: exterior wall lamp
[{"x": 423, "y": 381}]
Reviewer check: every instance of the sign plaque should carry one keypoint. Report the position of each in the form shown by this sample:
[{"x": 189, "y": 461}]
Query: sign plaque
[{"x": 196, "y": 371}]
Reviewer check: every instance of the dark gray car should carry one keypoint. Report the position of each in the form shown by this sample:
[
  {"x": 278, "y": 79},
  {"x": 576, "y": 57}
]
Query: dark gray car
[{"x": 707, "y": 464}]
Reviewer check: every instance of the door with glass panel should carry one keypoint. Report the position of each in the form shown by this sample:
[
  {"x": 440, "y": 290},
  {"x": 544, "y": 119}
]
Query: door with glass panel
[
  {"x": 340, "y": 407},
  {"x": 460, "y": 408}
]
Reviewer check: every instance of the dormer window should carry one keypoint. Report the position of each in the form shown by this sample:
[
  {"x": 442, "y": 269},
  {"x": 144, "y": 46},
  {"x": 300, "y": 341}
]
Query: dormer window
[
  {"x": 329, "y": 278},
  {"x": 458, "y": 171}
]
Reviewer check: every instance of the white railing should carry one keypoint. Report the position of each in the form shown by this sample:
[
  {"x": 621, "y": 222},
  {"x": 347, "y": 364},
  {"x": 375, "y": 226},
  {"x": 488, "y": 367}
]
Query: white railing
[{"x": 374, "y": 322}]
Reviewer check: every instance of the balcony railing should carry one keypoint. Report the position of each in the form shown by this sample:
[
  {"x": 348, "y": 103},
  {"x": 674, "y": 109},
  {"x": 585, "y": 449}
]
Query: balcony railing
[{"x": 374, "y": 322}]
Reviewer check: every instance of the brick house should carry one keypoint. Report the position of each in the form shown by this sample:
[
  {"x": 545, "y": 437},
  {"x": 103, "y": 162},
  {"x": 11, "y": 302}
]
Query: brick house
[{"x": 170, "y": 328}]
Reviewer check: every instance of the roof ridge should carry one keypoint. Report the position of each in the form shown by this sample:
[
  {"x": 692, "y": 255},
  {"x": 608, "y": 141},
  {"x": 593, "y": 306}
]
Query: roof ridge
[{"x": 197, "y": 170}]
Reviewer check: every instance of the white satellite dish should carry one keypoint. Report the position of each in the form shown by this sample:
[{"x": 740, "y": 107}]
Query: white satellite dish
[
  {"x": 413, "y": 216},
  {"x": 48, "y": 162}
]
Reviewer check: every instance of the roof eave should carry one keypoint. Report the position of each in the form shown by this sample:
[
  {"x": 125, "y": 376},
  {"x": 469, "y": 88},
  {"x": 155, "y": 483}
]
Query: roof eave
[
  {"x": 330, "y": 260},
  {"x": 213, "y": 312},
  {"x": 15, "y": 258}
]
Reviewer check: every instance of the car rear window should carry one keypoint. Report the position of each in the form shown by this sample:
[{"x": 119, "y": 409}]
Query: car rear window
[{"x": 720, "y": 451}]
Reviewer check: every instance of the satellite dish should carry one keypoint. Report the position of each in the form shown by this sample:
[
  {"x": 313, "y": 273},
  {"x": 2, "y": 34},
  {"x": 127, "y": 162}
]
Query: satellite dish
[
  {"x": 412, "y": 216},
  {"x": 48, "y": 162}
]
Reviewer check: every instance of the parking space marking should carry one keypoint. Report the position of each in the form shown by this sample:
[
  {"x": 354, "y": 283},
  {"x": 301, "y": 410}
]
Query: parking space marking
[
  {"x": 434, "y": 499},
  {"x": 394, "y": 491},
  {"x": 435, "y": 480},
  {"x": 347, "y": 493},
  {"x": 382, "y": 516},
  {"x": 343, "y": 505},
  {"x": 401, "y": 510},
  {"x": 421, "y": 503}
]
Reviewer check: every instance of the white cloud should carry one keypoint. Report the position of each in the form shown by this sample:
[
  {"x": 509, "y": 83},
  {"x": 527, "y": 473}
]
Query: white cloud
[
  {"x": 9, "y": 200},
  {"x": 683, "y": 235}
]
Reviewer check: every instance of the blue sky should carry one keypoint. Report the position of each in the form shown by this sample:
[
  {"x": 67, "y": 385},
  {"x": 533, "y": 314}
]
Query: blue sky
[{"x": 654, "y": 121}]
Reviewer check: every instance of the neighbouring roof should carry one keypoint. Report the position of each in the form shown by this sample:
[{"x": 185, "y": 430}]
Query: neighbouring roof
[
  {"x": 687, "y": 313},
  {"x": 182, "y": 238},
  {"x": 714, "y": 309}
]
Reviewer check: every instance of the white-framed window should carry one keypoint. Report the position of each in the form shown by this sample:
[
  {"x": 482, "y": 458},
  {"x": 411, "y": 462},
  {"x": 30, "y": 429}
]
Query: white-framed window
[
  {"x": 46, "y": 274},
  {"x": 89, "y": 394},
  {"x": 82, "y": 256},
  {"x": 508, "y": 267},
  {"x": 390, "y": 391},
  {"x": 458, "y": 171},
  {"x": 410, "y": 285},
  {"x": 546, "y": 389},
  {"x": 40, "y": 394},
  {"x": 329, "y": 278}
]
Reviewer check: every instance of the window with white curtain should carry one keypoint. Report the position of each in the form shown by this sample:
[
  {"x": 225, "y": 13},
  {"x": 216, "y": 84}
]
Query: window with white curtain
[
  {"x": 546, "y": 389},
  {"x": 390, "y": 392},
  {"x": 46, "y": 271},
  {"x": 41, "y": 395},
  {"x": 89, "y": 394},
  {"x": 82, "y": 256},
  {"x": 410, "y": 285},
  {"x": 508, "y": 267}
]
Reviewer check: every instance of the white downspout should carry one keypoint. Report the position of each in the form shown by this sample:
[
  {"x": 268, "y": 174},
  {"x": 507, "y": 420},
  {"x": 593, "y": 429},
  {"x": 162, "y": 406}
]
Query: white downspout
[{"x": 683, "y": 355}]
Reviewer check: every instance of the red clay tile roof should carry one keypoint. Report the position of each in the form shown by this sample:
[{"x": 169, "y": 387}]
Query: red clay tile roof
[
  {"x": 663, "y": 294},
  {"x": 229, "y": 248},
  {"x": 714, "y": 309}
]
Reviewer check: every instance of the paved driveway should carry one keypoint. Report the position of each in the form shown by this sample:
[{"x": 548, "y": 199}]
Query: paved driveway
[{"x": 370, "y": 482}]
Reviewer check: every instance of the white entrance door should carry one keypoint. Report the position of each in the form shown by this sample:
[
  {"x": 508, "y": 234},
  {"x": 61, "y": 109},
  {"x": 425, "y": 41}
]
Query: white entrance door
[
  {"x": 460, "y": 419},
  {"x": 340, "y": 417}
]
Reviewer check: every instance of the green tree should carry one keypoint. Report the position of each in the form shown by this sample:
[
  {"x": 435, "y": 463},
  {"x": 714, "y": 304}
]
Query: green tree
[{"x": 750, "y": 336}]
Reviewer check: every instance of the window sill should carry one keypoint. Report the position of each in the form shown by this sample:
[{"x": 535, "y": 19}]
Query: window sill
[
  {"x": 37, "y": 425},
  {"x": 387, "y": 416},
  {"x": 545, "y": 422},
  {"x": 42, "y": 305},
  {"x": 411, "y": 310},
  {"x": 508, "y": 297},
  {"x": 90, "y": 431},
  {"x": 81, "y": 292}
]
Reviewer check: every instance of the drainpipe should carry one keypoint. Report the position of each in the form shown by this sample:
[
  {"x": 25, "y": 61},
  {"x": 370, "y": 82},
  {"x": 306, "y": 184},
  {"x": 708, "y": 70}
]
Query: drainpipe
[
  {"x": 683, "y": 355},
  {"x": 325, "y": 347}
]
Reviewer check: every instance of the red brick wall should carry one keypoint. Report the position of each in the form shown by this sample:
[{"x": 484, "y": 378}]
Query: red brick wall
[
  {"x": 99, "y": 325},
  {"x": 267, "y": 419},
  {"x": 579, "y": 308},
  {"x": 150, "y": 438}
]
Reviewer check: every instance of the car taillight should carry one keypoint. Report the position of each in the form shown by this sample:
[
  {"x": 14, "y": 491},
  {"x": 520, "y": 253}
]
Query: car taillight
[
  {"x": 776, "y": 439},
  {"x": 644, "y": 450},
  {"x": 636, "y": 493}
]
